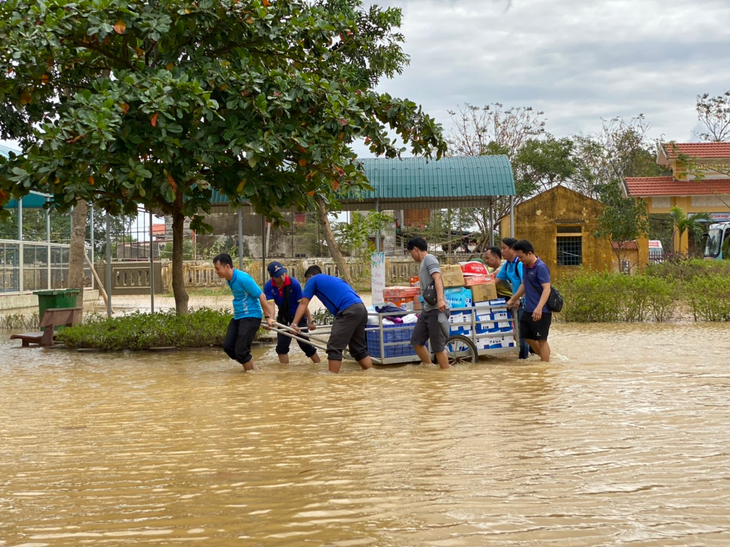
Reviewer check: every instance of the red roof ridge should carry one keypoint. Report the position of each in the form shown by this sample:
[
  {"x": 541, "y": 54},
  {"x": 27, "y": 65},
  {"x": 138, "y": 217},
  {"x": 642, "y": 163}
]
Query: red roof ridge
[{"x": 713, "y": 150}]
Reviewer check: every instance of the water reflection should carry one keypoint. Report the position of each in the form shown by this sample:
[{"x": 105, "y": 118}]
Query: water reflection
[{"x": 622, "y": 439}]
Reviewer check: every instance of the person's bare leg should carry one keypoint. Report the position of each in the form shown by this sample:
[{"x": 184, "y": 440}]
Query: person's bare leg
[
  {"x": 443, "y": 359},
  {"x": 284, "y": 358},
  {"x": 544, "y": 352},
  {"x": 534, "y": 345},
  {"x": 248, "y": 367},
  {"x": 316, "y": 359},
  {"x": 366, "y": 363},
  {"x": 423, "y": 355},
  {"x": 334, "y": 366}
]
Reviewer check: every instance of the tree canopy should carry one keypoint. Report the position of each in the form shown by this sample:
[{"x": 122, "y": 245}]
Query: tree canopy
[
  {"x": 124, "y": 102},
  {"x": 145, "y": 101}
]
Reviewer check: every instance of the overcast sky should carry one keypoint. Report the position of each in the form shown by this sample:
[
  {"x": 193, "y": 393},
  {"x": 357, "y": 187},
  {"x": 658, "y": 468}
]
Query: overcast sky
[{"x": 576, "y": 60}]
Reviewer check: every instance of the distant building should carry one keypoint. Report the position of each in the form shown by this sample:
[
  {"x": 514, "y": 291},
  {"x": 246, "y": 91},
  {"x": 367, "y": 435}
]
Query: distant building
[
  {"x": 699, "y": 183},
  {"x": 560, "y": 224}
]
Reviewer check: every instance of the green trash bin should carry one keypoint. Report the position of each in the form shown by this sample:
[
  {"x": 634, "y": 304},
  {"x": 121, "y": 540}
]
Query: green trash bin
[{"x": 56, "y": 298}]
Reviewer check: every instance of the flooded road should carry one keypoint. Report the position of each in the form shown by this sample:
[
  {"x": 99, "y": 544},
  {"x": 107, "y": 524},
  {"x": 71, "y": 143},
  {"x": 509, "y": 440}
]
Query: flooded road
[{"x": 622, "y": 440}]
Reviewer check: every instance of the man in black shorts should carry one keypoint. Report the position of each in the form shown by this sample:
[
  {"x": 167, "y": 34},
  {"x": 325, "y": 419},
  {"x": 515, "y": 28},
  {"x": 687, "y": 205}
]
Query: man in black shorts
[{"x": 535, "y": 321}]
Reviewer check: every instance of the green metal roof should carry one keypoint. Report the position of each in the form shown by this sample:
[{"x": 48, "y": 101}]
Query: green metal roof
[
  {"x": 417, "y": 183},
  {"x": 34, "y": 200}
]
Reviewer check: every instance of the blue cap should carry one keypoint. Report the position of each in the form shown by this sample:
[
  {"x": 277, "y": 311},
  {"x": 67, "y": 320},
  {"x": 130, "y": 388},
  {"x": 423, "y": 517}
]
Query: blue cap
[{"x": 276, "y": 269}]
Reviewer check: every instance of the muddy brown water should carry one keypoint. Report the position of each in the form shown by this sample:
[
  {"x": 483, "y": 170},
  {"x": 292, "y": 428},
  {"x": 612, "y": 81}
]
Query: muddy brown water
[{"x": 624, "y": 439}]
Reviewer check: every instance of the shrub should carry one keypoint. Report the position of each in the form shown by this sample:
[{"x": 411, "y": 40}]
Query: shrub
[
  {"x": 139, "y": 331},
  {"x": 611, "y": 297},
  {"x": 709, "y": 297}
]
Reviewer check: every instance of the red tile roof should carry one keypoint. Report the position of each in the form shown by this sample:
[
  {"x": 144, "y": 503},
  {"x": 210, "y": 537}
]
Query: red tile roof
[
  {"x": 715, "y": 150},
  {"x": 667, "y": 186},
  {"x": 158, "y": 229}
]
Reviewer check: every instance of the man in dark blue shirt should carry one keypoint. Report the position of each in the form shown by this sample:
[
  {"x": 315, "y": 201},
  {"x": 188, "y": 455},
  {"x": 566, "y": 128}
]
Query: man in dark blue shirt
[
  {"x": 286, "y": 292},
  {"x": 351, "y": 316},
  {"x": 535, "y": 321}
]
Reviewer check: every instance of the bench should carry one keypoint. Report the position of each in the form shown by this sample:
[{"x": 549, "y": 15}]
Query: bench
[{"x": 52, "y": 318}]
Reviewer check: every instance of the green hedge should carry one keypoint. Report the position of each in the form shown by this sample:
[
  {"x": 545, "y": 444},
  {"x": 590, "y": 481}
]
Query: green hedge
[
  {"x": 610, "y": 297},
  {"x": 654, "y": 295},
  {"x": 709, "y": 297},
  {"x": 140, "y": 331}
]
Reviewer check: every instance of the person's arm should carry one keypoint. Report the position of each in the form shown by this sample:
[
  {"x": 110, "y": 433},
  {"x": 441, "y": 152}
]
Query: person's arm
[
  {"x": 514, "y": 301},
  {"x": 267, "y": 313},
  {"x": 310, "y": 320},
  {"x": 302, "y": 310},
  {"x": 438, "y": 284},
  {"x": 537, "y": 314}
]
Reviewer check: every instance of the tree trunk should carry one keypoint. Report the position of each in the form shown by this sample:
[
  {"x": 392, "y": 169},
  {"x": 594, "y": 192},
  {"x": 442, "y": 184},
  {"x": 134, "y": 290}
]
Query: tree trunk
[
  {"x": 77, "y": 250},
  {"x": 331, "y": 243},
  {"x": 178, "y": 281}
]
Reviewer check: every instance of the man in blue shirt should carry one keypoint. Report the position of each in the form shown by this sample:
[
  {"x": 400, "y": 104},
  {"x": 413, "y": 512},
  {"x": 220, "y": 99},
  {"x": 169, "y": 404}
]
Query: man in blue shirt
[
  {"x": 351, "y": 317},
  {"x": 535, "y": 322},
  {"x": 248, "y": 305},
  {"x": 286, "y": 292},
  {"x": 511, "y": 273}
]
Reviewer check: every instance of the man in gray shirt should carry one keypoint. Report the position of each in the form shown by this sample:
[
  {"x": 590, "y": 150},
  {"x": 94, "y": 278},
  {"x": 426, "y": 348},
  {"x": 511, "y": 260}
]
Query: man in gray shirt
[{"x": 433, "y": 323}]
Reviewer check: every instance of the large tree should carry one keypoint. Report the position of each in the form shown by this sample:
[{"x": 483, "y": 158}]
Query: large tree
[
  {"x": 714, "y": 114},
  {"x": 621, "y": 149},
  {"x": 128, "y": 102},
  {"x": 623, "y": 219},
  {"x": 539, "y": 160}
]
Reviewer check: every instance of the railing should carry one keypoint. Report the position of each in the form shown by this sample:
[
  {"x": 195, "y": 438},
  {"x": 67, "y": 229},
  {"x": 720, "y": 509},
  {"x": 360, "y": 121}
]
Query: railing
[{"x": 32, "y": 265}]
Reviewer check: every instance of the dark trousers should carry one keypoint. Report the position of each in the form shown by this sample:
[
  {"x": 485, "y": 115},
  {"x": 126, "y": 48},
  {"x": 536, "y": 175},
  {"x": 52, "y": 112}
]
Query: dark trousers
[
  {"x": 524, "y": 346},
  {"x": 283, "y": 341},
  {"x": 239, "y": 337}
]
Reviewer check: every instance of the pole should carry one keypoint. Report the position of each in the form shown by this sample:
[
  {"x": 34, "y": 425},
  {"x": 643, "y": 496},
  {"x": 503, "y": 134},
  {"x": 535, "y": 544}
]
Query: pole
[
  {"x": 21, "y": 251},
  {"x": 109, "y": 310},
  {"x": 152, "y": 270},
  {"x": 48, "y": 246},
  {"x": 377, "y": 232},
  {"x": 240, "y": 238},
  {"x": 512, "y": 216},
  {"x": 263, "y": 249},
  {"x": 93, "y": 242}
]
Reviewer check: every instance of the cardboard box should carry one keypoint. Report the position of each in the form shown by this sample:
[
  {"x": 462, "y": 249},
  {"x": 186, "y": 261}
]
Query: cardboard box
[
  {"x": 471, "y": 280},
  {"x": 483, "y": 293},
  {"x": 458, "y": 297},
  {"x": 452, "y": 276},
  {"x": 400, "y": 292}
]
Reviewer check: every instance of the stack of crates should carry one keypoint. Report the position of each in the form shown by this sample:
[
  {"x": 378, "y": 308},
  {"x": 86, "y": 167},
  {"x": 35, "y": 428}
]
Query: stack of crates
[
  {"x": 396, "y": 340},
  {"x": 493, "y": 325}
]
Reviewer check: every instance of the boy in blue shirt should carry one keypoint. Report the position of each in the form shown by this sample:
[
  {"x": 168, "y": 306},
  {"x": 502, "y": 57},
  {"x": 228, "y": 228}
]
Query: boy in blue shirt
[
  {"x": 351, "y": 317},
  {"x": 286, "y": 292},
  {"x": 248, "y": 305}
]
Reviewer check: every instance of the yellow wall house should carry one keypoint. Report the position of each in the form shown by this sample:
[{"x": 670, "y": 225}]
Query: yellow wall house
[
  {"x": 700, "y": 183},
  {"x": 560, "y": 224}
]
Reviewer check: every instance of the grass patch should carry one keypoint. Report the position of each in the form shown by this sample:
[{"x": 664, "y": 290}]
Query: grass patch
[{"x": 203, "y": 327}]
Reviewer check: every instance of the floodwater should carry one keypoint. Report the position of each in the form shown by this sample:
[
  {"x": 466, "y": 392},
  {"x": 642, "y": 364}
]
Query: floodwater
[{"x": 622, "y": 440}]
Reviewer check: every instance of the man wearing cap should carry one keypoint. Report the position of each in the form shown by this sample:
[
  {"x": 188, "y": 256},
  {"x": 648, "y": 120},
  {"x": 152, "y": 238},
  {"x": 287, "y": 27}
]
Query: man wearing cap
[
  {"x": 351, "y": 317},
  {"x": 249, "y": 305},
  {"x": 286, "y": 292}
]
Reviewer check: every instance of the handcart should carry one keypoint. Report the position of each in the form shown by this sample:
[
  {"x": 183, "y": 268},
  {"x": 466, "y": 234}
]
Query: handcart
[{"x": 486, "y": 328}]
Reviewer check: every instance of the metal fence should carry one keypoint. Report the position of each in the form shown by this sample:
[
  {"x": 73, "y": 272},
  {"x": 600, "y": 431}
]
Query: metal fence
[{"x": 30, "y": 266}]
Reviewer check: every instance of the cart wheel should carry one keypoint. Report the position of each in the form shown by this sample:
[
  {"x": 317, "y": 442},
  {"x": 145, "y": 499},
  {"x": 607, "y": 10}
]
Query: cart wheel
[{"x": 460, "y": 349}]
